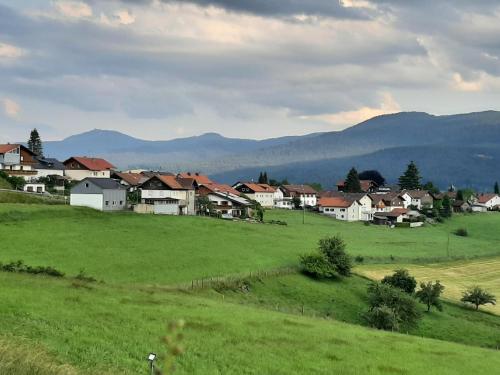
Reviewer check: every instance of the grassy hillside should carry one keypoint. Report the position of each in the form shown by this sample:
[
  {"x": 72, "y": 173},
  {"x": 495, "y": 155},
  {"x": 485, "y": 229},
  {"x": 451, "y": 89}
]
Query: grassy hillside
[
  {"x": 4, "y": 184},
  {"x": 457, "y": 276},
  {"x": 346, "y": 300},
  {"x": 24, "y": 198},
  {"x": 108, "y": 329},
  {"x": 130, "y": 248}
]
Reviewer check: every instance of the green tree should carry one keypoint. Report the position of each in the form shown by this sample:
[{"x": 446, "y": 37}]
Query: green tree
[
  {"x": 333, "y": 249},
  {"x": 259, "y": 212},
  {"x": 429, "y": 294},
  {"x": 374, "y": 176},
  {"x": 383, "y": 317},
  {"x": 315, "y": 185},
  {"x": 316, "y": 265},
  {"x": 496, "y": 188},
  {"x": 478, "y": 297},
  {"x": 410, "y": 180},
  {"x": 460, "y": 195},
  {"x": 35, "y": 143},
  {"x": 401, "y": 279},
  {"x": 430, "y": 187},
  {"x": 352, "y": 184},
  {"x": 296, "y": 202},
  {"x": 404, "y": 306},
  {"x": 446, "y": 210},
  {"x": 263, "y": 178}
]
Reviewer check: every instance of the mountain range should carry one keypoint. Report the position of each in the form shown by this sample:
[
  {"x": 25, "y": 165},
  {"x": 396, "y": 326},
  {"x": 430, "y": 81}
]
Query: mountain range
[{"x": 462, "y": 149}]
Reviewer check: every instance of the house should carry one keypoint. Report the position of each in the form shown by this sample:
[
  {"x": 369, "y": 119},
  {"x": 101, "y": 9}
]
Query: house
[
  {"x": 196, "y": 178},
  {"x": 340, "y": 208},
  {"x": 130, "y": 180},
  {"x": 282, "y": 201},
  {"x": 225, "y": 200},
  {"x": 461, "y": 206},
  {"x": 168, "y": 195},
  {"x": 34, "y": 188},
  {"x": 417, "y": 198},
  {"x": 262, "y": 193},
  {"x": 396, "y": 215},
  {"x": 78, "y": 168},
  {"x": 17, "y": 160},
  {"x": 103, "y": 194},
  {"x": 364, "y": 199},
  {"x": 367, "y": 186},
  {"x": 307, "y": 195},
  {"x": 46, "y": 167},
  {"x": 387, "y": 202},
  {"x": 478, "y": 207},
  {"x": 489, "y": 200}
]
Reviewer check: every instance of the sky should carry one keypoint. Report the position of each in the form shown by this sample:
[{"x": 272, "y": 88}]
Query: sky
[{"x": 163, "y": 69}]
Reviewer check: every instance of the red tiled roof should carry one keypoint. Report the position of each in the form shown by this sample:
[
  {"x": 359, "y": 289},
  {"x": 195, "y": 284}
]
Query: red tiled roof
[
  {"x": 335, "y": 202},
  {"x": 199, "y": 178},
  {"x": 259, "y": 188},
  {"x": 170, "y": 181},
  {"x": 300, "y": 189},
  {"x": 416, "y": 194},
  {"x": 221, "y": 188},
  {"x": 92, "y": 164},
  {"x": 486, "y": 197},
  {"x": 7, "y": 148},
  {"x": 132, "y": 179}
]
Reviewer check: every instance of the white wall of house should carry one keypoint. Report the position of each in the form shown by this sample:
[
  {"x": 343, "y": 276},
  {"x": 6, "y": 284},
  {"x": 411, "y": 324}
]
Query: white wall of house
[
  {"x": 266, "y": 199},
  {"x": 285, "y": 203},
  {"x": 308, "y": 199},
  {"x": 95, "y": 201},
  {"x": 162, "y": 194},
  {"x": 407, "y": 201},
  {"x": 352, "y": 213},
  {"x": 366, "y": 209},
  {"x": 495, "y": 201},
  {"x": 34, "y": 188},
  {"x": 166, "y": 208},
  {"x": 49, "y": 172},
  {"x": 80, "y": 174}
]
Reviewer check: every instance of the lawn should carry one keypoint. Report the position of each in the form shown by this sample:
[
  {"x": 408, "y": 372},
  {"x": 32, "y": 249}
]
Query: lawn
[
  {"x": 27, "y": 198},
  {"x": 110, "y": 330},
  {"x": 455, "y": 276},
  {"x": 130, "y": 248}
]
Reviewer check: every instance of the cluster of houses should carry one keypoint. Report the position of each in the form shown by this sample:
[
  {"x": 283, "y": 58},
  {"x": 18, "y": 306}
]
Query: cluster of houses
[{"x": 97, "y": 184}]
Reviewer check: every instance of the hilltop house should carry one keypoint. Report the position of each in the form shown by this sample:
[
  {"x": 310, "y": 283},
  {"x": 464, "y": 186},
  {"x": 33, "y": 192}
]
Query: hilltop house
[
  {"x": 130, "y": 180},
  {"x": 461, "y": 206},
  {"x": 490, "y": 201},
  {"x": 196, "y": 178},
  {"x": 396, "y": 215},
  {"x": 225, "y": 200},
  {"x": 77, "y": 168},
  {"x": 262, "y": 193},
  {"x": 341, "y": 208},
  {"x": 168, "y": 195},
  {"x": 365, "y": 201},
  {"x": 104, "y": 194},
  {"x": 17, "y": 160},
  {"x": 417, "y": 198},
  {"x": 386, "y": 202},
  {"x": 307, "y": 195},
  {"x": 367, "y": 186}
]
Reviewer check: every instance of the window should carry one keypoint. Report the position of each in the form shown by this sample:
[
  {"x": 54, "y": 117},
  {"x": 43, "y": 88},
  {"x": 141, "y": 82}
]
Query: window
[
  {"x": 107, "y": 203},
  {"x": 121, "y": 203},
  {"x": 86, "y": 185}
]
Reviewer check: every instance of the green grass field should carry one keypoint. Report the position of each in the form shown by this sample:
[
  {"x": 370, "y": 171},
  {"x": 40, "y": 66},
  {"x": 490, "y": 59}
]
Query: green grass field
[
  {"x": 456, "y": 276},
  {"x": 109, "y": 327},
  {"x": 23, "y": 198}
]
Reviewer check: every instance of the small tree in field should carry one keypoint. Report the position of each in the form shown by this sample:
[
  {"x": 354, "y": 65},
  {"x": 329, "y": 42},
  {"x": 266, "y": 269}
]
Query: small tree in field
[
  {"x": 429, "y": 294},
  {"x": 330, "y": 261},
  {"x": 401, "y": 279},
  {"x": 383, "y": 317},
  {"x": 478, "y": 297}
]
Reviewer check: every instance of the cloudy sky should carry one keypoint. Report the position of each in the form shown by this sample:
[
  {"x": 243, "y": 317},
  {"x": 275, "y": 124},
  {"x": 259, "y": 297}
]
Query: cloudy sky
[{"x": 161, "y": 69}]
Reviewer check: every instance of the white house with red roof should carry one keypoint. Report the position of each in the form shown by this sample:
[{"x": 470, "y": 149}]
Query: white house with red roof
[
  {"x": 17, "y": 160},
  {"x": 490, "y": 201},
  {"x": 341, "y": 208},
  {"x": 306, "y": 194},
  {"x": 78, "y": 167},
  {"x": 225, "y": 200},
  {"x": 262, "y": 193}
]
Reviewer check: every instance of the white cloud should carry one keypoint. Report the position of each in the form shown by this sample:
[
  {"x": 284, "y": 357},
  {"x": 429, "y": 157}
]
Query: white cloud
[
  {"x": 121, "y": 17},
  {"x": 11, "y": 108},
  {"x": 349, "y": 118},
  {"x": 73, "y": 9},
  {"x": 357, "y": 4},
  {"x": 9, "y": 51}
]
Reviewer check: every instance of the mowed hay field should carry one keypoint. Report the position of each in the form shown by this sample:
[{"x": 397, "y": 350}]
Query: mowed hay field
[
  {"x": 131, "y": 248},
  {"x": 455, "y": 276}
]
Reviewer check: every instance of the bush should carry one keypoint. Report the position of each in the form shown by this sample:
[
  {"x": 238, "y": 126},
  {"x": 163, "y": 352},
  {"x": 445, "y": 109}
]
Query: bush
[
  {"x": 462, "y": 232},
  {"x": 333, "y": 248},
  {"x": 359, "y": 259},
  {"x": 82, "y": 276},
  {"x": 20, "y": 267},
  {"x": 383, "y": 317},
  {"x": 316, "y": 265},
  {"x": 404, "y": 306},
  {"x": 401, "y": 279}
]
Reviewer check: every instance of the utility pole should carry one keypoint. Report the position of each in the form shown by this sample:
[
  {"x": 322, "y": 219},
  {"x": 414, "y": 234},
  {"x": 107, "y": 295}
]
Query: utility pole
[
  {"x": 448, "y": 247},
  {"x": 303, "y": 206}
]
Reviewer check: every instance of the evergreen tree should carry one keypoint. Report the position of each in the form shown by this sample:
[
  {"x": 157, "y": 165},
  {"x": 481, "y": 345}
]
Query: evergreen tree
[
  {"x": 35, "y": 143},
  {"x": 261, "y": 178},
  {"x": 460, "y": 195},
  {"x": 264, "y": 178},
  {"x": 352, "y": 184},
  {"x": 496, "y": 189},
  {"x": 410, "y": 180},
  {"x": 373, "y": 175},
  {"x": 447, "y": 209}
]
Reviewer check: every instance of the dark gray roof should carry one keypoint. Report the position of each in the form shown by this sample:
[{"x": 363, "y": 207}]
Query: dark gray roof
[
  {"x": 105, "y": 183},
  {"x": 49, "y": 163}
]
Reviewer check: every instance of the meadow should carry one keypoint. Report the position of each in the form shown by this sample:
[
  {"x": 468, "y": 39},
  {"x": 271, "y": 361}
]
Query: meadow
[
  {"x": 456, "y": 276},
  {"x": 292, "y": 324}
]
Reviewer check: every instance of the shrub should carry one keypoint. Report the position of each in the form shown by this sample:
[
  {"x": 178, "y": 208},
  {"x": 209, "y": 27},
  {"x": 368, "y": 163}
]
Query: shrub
[
  {"x": 359, "y": 259},
  {"x": 20, "y": 267},
  {"x": 401, "y": 279},
  {"x": 316, "y": 265},
  {"x": 382, "y": 317},
  {"x": 462, "y": 232},
  {"x": 333, "y": 248},
  {"x": 429, "y": 294},
  {"x": 403, "y": 305},
  {"x": 82, "y": 276}
]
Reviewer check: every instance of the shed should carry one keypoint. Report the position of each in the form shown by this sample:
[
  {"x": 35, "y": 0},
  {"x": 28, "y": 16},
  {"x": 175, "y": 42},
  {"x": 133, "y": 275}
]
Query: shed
[{"x": 104, "y": 194}]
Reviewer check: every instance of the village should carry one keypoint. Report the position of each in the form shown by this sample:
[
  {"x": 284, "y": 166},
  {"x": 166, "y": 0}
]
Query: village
[{"x": 96, "y": 183}]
